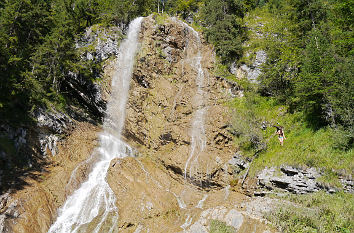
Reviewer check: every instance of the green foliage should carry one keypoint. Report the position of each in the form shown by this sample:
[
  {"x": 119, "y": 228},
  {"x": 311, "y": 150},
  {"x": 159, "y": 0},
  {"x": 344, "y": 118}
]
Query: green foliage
[
  {"x": 184, "y": 8},
  {"x": 305, "y": 147},
  {"x": 319, "y": 212},
  {"x": 7, "y": 145},
  {"x": 282, "y": 53},
  {"x": 217, "y": 226},
  {"x": 328, "y": 149},
  {"x": 37, "y": 43},
  {"x": 222, "y": 20},
  {"x": 161, "y": 18},
  {"x": 247, "y": 119},
  {"x": 309, "y": 63},
  {"x": 37, "y": 48},
  {"x": 123, "y": 11},
  {"x": 22, "y": 27},
  {"x": 316, "y": 78}
]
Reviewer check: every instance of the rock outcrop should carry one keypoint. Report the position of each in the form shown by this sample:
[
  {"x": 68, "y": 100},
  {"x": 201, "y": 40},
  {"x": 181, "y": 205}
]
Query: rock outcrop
[
  {"x": 297, "y": 180},
  {"x": 33, "y": 207},
  {"x": 96, "y": 46},
  {"x": 161, "y": 104},
  {"x": 253, "y": 71},
  {"x": 171, "y": 194},
  {"x": 291, "y": 179},
  {"x": 164, "y": 203}
]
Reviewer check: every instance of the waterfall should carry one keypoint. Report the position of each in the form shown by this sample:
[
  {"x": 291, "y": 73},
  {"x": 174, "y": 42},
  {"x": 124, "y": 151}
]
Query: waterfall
[
  {"x": 91, "y": 208},
  {"x": 198, "y": 138}
]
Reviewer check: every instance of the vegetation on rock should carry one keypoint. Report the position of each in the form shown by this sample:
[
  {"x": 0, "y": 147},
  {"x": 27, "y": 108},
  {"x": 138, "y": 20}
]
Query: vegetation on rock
[{"x": 217, "y": 226}]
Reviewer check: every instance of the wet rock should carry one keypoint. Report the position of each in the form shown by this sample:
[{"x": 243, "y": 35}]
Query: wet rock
[
  {"x": 33, "y": 208},
  {"x": 169, "y": 180},
  {"x": 163, "y": 102}
]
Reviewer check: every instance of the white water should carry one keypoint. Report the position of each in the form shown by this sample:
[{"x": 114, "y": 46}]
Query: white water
[
  {"x": 201, "y": 202},
  {"x": 198, "y": 138},
  {"x": 187, "y": 223},
  {"x": 91, "y": 208}
]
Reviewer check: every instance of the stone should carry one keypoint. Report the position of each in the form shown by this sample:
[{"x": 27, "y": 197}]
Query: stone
[
  {"x": 104, "y": 41},
  {"x": 233, "y": 68},
  {"x": 290, "y": 171},
  {"x": 234, "y": 218},
  {"x": 51, "y": 124},
  {"x": 291, "y": 179},
  {"x": 48, "y": 144},
  {"x": 52, "y": 120},
  {"x": 254, "y": 70},
  {"x": 348, "y": 184},
  {"x": 238, "y": 161}
]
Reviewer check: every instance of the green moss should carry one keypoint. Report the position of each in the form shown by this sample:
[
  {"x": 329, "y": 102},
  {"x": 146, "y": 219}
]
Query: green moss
[{"x": 217, "y": 226}]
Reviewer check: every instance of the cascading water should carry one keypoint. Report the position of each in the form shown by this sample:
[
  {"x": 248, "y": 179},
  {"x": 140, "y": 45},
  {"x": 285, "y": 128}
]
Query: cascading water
[
  {"x": 91, "y": 208},
  {"x": 198, "y": 138}
]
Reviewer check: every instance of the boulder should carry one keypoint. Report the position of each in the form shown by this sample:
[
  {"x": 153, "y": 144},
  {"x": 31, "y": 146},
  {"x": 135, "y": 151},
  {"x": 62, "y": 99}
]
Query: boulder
[{"x": 291, "y": 179}]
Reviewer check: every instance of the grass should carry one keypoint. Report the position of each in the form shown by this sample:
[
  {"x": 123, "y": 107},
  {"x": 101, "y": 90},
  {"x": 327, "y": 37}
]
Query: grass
[
  {"x": 304, "y": 146},
  {"x": 217, "y": 226},
  {"x": 318, "y": 212}
]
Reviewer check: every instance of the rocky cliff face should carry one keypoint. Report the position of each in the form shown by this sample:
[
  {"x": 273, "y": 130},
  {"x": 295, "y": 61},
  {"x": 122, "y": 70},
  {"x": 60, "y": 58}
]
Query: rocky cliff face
[
  {"x": 33, "y": 207},
  {"x": 162, "y": 104},
  {"x": 174, "y": 189},
  {"x": 168, "y": 186}
]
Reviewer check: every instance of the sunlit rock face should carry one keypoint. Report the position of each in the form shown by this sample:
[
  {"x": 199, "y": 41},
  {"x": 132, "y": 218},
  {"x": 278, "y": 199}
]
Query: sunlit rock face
[
  {"x": 176, "y": 106},
  {"x": 178, "y": 122}
]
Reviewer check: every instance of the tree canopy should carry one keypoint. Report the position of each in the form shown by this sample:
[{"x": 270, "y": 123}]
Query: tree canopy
[{"x": 310, "y": 66}]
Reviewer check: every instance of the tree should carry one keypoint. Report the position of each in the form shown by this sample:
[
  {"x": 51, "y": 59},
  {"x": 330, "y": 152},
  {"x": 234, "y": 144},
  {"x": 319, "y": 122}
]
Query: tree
[
  {"x": 23, "y": 24},
  {"x": 223, "y": 27},
  {"x": 184, "y": 8},
  {"x": 316, "y": 78}
]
